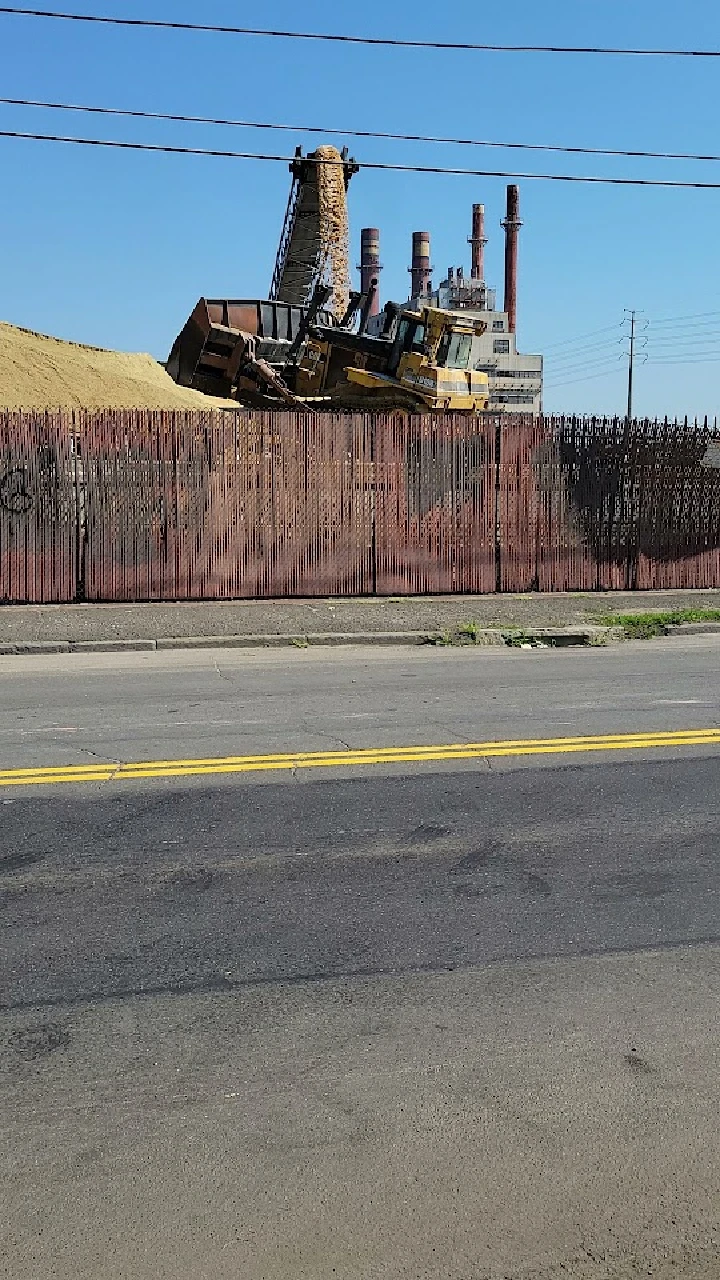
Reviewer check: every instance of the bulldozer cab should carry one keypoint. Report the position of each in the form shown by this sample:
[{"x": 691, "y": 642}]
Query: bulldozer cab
[
  {"x": 410, "y": 337},
  {"x": 444, "y": 341},
  {"x": 431, "y": 360},
  {"x": 454, "y": 350}
]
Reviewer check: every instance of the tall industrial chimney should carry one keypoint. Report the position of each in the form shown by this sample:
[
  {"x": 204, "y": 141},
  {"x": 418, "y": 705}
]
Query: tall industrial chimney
[
  {"x": 370, "y": 267},
  {"x": 421, "y": 271},
  {"x": 512, "y": 225},
  {"x": 478, "y": 241}
]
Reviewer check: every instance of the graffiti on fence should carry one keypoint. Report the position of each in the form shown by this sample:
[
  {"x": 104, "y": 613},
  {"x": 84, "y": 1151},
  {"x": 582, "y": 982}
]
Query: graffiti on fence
[
  {"x": 38, "y": 515},
  {"x": 15, "y": 495}
]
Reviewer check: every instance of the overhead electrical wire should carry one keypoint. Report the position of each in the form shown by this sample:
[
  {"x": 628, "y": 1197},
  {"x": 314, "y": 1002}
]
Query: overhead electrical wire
[
  {"x": 566, "y": 342},
  {"x": 553, "y": 373},
  {"x": 580, "y": 375},
  {"x": 371, "y": 164},
  {"x": 371, "y": 41},
  {"x": 699, "y": 321},
  {"x": 682, "y": 340},
  {"x": 683, "y": 356},
  {"x": 583, "y": 359},
  {"x": 568, "y": 382},
  {"x": 579, "y": 352},
  {"x": 573, "y": 374},
  {"x": 597, "y": 353},
  {"x": 709, "y": 359},
  {"x": 128, "y": 113}
]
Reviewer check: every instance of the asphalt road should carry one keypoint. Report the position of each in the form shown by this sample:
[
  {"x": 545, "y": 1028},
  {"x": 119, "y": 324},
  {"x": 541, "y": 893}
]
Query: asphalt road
[
  {"x": 454, "y": 1019},
  {"x": 69, "y": 709}
]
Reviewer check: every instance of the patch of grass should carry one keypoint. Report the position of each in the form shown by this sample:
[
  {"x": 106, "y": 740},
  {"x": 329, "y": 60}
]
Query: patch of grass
[
  {"x": 300, "y": 642},
  {"x": 643, "y": 626},
  {"x": 469, "y": 631}
]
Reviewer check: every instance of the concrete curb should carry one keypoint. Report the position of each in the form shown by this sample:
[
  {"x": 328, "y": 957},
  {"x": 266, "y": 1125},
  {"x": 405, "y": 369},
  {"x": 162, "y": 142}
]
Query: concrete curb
[
  {"x": 693, "y": 629},
  {"x": 511, "y": 637}
]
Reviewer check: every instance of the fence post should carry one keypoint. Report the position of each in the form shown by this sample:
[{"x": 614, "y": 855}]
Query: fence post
[
  {"x": 498, "y": 514},
  {"x": 371, "y": 471}
]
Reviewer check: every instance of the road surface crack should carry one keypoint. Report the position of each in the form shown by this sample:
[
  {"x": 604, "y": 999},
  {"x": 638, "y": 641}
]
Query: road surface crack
[
  {"x": 222, "y": 675},
  {"x": 114, "y": 765},
  {"x": 85, "y": 751},
  {"x": 330, "y": 737}
]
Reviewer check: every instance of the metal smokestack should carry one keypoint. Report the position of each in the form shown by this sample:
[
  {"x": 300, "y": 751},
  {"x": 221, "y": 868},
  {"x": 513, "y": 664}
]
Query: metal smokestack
[
  {"x": 421, "y": 271},
  {"x": 512, "y": 225},
  {"x": 478, "y": 241},
  {"x": 370, "y": 267}
]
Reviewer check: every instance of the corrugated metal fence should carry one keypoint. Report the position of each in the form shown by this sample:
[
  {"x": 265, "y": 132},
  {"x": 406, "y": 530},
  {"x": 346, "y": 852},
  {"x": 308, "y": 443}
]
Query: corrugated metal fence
[{"x": 173, "y": 506}]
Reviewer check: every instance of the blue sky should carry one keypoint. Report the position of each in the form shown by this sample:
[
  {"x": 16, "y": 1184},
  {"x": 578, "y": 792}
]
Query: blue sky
[{"x": 114, "y": 248}]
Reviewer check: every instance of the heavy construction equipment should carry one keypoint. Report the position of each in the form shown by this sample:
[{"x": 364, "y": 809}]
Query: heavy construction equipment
[
  {"x": 421, "y": 360},
  {"x": 431, "y": 358},
  {"x": 308, "y": 344},
  {"x": 237, "y": 348},
  {"x": 299, "y": 356}
]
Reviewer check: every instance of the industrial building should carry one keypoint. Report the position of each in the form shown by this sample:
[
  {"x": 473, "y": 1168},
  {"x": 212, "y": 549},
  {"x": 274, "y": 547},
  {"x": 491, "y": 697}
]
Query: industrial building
[{"x": 515, "y": 379}]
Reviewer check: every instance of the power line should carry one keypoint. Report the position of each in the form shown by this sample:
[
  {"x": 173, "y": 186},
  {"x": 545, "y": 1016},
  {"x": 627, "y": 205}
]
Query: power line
[
  {"x": 372, "y": 41},
  {"x": 608, "y": 328},
  {"x": 568, "y": 382},
  {"x": 128, "y": 113},
  {"x": 370, "y": 164},
  {"x": 683, "y": 340},
  {"x": 581, "y": 377},
  {"x": 553, "y": 372},
  {"x": 579, "y": 352},
  {"x": 681, "y": 356},
  {"x": 708, "y": 359},
  {"x": 584, "y": 367},
  {"x": 582, "y": 371},
  {"x": 612, "y": 353},
  {"x": 699, "y": 321}
]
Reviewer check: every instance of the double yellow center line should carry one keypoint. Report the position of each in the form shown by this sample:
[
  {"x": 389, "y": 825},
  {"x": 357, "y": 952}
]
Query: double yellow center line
[{"x": 290, "y": 761}]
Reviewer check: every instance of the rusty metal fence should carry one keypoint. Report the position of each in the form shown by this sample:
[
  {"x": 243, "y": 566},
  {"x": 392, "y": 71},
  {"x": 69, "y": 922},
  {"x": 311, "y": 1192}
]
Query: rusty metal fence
[{"x": 178, "y": 506}]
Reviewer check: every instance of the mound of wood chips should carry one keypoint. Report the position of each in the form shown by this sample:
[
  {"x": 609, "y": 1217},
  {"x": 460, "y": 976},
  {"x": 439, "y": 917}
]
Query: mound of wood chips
[{"x": 38, "y": 372}]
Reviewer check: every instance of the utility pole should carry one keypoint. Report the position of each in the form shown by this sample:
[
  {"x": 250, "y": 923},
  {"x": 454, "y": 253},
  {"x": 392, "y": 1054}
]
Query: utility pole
[{"x": 631, "y": 364}]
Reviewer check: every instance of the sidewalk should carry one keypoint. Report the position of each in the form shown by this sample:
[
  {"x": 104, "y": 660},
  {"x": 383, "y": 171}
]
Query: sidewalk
[{"x": 42, "y": 628}]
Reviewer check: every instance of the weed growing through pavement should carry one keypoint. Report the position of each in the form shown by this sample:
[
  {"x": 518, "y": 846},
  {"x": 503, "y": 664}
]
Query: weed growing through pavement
[{"x": 644, "y": 626}]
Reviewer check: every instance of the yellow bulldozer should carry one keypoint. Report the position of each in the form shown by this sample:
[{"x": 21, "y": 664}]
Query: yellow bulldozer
[{"x": 422, "y": 360}]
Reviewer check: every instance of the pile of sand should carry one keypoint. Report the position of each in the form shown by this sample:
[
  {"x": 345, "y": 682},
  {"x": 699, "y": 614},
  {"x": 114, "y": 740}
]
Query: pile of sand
[
  {"x": 334, "y": 234},
  {"x": 37, "y": 372}
]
